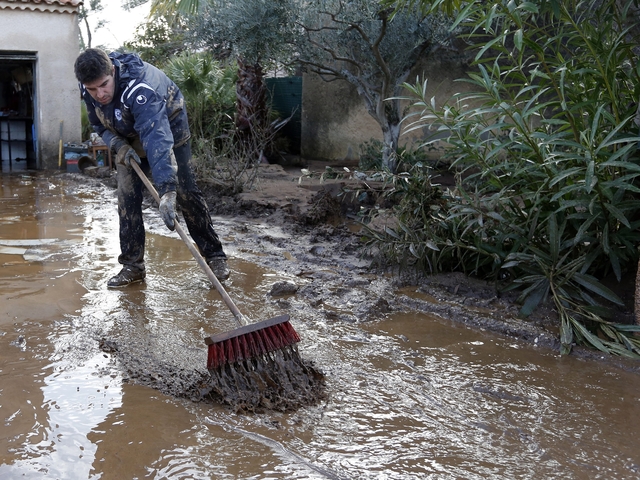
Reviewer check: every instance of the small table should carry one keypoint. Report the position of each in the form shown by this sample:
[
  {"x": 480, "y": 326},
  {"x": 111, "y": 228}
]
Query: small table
[{"x": 94, "y": 149}]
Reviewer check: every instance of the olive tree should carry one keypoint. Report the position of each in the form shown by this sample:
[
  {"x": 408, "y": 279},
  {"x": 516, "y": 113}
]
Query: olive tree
[
  {"x": 85, "y": 11},
  {"x": 359, "y": 42},
  {"x": 354, "y": 41}
]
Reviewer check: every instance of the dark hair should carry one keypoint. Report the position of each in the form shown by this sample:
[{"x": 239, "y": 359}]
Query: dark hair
[{"x": 92, "y": 64}]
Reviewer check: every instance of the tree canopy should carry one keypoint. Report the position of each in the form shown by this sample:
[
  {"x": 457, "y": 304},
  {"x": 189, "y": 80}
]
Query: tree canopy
[{"x": 358, "y": 42}]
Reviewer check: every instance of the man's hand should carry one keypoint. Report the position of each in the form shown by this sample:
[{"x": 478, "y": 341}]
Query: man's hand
[
  {"x": 168, "y": 210},
  {"x": 125, "y": 154}
]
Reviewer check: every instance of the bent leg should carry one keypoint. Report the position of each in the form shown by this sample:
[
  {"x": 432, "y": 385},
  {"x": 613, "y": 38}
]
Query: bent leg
[
  {"x": 194, "y": 207},
  {"x": 132, "y": 236}
]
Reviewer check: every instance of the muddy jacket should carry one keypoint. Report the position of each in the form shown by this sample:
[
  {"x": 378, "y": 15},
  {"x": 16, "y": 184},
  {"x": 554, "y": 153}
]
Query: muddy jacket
[{"x": 148, "y": 110}]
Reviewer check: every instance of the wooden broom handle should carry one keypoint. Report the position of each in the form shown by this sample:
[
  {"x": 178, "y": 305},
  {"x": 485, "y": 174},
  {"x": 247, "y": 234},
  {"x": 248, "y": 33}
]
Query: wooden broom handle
[{"x": 240, "y": 318}]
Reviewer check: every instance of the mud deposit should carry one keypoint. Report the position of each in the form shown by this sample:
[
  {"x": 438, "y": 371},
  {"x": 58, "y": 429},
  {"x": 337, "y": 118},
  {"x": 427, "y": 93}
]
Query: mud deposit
[
  {"x": 280, "y": 380},
  {"x": 393, "y": 378}
]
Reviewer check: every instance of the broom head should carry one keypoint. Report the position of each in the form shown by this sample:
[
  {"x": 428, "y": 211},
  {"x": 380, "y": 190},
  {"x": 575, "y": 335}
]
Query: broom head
[{"x": 251, "y": 341}]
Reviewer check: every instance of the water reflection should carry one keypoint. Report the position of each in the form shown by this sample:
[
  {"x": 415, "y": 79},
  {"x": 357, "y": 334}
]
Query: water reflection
[{"x": 75, "y": 400}]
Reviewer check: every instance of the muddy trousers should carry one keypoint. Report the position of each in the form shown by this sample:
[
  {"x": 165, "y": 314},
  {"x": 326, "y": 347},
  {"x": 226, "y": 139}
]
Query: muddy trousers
[{"x": 190, "y": 200}]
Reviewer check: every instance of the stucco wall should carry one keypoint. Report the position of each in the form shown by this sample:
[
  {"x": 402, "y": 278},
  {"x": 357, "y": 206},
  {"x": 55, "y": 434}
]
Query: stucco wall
[
  {"x": 335, "y": 121},
  {"x": 53, "y": 36}
]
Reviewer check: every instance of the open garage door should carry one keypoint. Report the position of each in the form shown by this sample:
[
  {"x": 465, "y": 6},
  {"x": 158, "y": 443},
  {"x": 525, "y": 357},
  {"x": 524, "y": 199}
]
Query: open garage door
[{"x": 17, "y": 107}]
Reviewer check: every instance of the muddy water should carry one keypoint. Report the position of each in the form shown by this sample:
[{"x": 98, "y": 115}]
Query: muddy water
[{"x": 409, "y": 396}]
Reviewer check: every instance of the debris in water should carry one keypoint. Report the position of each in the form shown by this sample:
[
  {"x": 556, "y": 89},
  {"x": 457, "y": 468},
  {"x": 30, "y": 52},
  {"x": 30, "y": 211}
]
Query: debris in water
[
  {"x": 108, "y": 346},
  {"x": 20, "y": 342}
]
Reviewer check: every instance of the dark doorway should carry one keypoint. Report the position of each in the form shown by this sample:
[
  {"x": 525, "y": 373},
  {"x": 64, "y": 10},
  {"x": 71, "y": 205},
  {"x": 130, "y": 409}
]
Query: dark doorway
[
  {"x": 286, "y": 99},
  {"x": 17, "y": 134}
]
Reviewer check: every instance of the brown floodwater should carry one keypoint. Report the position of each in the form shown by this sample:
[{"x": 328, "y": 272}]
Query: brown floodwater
[{"x": 408, "y": 395}]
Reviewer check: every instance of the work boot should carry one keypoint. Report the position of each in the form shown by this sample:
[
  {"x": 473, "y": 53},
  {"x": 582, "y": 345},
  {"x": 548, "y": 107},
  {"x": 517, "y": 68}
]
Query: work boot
[
  {"x": 127, "y": 276},
  {"x": 218, "y": 266}
]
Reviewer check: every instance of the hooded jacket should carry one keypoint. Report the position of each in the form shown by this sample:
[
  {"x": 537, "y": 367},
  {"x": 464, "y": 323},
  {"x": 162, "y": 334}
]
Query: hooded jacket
[{"x": 148, "y": 110}]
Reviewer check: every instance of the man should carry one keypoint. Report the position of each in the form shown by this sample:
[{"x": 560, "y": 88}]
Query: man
[{"x": 140, "y": 113}]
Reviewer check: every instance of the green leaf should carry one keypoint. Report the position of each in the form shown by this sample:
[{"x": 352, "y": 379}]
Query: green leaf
[
  {"x": 588, "y": 336},
  {"x": 618, "y": 214},
  {"x": 529, "y": 7},
  {"x": 517, "y": 39},
  {"x": 589, "y": 180},
  {"x": 594, "y": 125},
  {"x": 566, "y": 335},
  {"x": 462, "y": 16},
  {"x": 565, "y": 174},
  {"x": 431, "y": 245},
  {"x": 554, "y": 246},
  {"x": 584, "y": 227},
  {"x": 510, "y": 264},
  {"x": 534, "y": 298},
  {"x": 614, "y": 260},
  {"x": 629, "y": 344},
  {"x": 605, "y": 241},
  {"x": 623, "y": 152},
  {"x": 392, "y": 233},
  {"x": 592, "y": 284},
  {"x": 608, "y": 331},
  {"x": 628, "y": 327}
]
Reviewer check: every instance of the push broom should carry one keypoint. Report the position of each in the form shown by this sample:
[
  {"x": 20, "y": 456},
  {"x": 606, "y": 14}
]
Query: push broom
[{"x": 250, "y": 341}]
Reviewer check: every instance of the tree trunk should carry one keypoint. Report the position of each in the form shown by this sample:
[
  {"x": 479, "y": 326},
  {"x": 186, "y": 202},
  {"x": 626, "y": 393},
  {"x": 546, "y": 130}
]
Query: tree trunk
[
  {"x": 252, "y": 122},
  {"x": 86, "y": 23},
  {"x": 391, "y": 135},
  {"x": 389, "y": 119},
  {"x": 251, "y": 98}
]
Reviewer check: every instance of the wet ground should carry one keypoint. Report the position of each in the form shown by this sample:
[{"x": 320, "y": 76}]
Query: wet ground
[{"x": 98, "y": 383}]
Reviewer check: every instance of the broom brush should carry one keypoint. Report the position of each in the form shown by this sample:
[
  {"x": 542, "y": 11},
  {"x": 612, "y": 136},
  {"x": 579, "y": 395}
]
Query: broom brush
[{"x": 248, "y": 341}]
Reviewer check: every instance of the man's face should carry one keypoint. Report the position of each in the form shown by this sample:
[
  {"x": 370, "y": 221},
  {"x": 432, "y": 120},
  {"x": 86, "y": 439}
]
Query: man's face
[{"x": 102, "y": 89}]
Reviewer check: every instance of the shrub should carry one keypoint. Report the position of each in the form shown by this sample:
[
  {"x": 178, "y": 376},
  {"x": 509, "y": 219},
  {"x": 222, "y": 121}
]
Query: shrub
[{"x": 546, "y": 152}]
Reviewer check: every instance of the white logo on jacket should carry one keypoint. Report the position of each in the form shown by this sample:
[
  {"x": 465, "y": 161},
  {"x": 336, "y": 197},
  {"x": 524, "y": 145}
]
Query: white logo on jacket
[
  {"x": 118, "y": 113},
  {"x": 141, "y": 99}
]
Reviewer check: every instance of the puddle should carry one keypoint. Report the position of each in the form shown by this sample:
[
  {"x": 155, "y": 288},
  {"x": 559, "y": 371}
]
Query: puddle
[{"x": 408, "y": 395}]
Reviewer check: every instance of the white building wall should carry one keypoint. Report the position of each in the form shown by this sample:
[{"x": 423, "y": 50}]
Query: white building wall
[{"x": 51, "y": 32}]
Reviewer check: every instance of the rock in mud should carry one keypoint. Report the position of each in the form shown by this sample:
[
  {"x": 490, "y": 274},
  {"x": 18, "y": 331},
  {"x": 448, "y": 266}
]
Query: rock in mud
[{"x": 279, "y": 289}]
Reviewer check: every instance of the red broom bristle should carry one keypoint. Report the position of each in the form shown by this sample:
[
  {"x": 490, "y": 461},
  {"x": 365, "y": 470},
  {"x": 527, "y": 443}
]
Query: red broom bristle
[
  {"x": 260, "y": 347},
  {"x": 268, "y": 341},
  {"x": 244, "y": 342},
  {"x": 279, "y": 337},
  {"x": 228, "y": 352},
  {"x": 289, "y": 333},
  {"x": 237, "y": 353},
  {"x": 252, "y": 344},
  {"x": 217, "y": 356}
]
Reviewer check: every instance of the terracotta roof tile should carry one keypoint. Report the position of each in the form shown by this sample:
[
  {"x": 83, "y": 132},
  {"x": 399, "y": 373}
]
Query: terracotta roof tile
[
  {"x": 41, "y": 5},
  {"x": 72, "y": 3}
]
